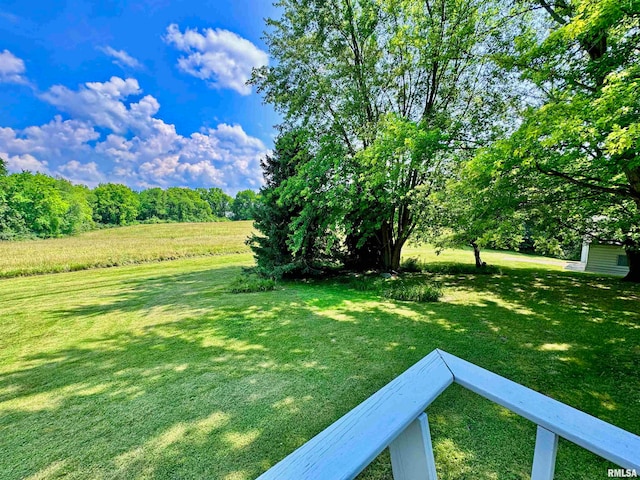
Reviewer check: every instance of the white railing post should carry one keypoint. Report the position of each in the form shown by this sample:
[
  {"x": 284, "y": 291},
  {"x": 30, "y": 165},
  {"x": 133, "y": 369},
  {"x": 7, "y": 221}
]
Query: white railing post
[
  {"x": 412, "y": 452},
  {"x": 544, "y": 457}
]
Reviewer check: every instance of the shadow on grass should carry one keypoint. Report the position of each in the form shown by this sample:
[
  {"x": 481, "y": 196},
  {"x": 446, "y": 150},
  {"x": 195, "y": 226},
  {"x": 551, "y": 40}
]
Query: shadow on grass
[{"x": 214, "y": 385}]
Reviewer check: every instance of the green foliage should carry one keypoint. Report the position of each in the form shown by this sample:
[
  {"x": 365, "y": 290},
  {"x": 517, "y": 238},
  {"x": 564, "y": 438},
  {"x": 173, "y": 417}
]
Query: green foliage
[
  {"x": 574, "y": 161},
  {"x": 3, "y": 168},
  {"x": 459, "y": 269},
  {"x": 391, "y": 92},
  {"x": 42, "y": 206},
  {"x": 252, "y": 284},
  {"x": 38, "y": 205},
  {"x": 281, "y": 249},
  {"x": 243, "y": 205},
  {"x": 411, "y": 265},
  {"x": 415, "y": 288},
  {"x": 219, "y": 201},
  {"x": 153, "y": 205},
  {"x": 475, "y": 207},
  {"x": 414, "y": 265},
  {"x": 186, "y": 205},
  {"x": 115, "y": 204},
  {"x": 12, "y": 224},
  {"x": 362, "y": 283},
  {"x": 412, "y": 291}
]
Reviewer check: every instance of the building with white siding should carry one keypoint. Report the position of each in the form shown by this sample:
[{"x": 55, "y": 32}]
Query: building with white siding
[{"x": 604, "y": 258}]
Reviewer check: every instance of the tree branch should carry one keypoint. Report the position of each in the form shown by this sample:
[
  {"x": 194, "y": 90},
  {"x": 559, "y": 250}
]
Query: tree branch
[
  {"x": 623, "y": 192},
  {"x": 555, "y": 15}
]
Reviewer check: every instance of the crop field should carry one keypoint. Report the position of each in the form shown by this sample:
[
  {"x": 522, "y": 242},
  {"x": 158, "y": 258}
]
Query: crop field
[
  {"x": 122, "y": 246},
  {"x": 157, "y": 371}
]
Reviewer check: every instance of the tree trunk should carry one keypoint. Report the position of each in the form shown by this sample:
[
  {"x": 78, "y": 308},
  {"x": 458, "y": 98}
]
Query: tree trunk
[
  {"x": 395, "y": 258},
  {"x": 379, "y": 251},
  {"x": 392, "y": 249},
  {"x": 632, "y": 249},
  {"x": 633, "y": 257},
  {"x": 392, "y": 256},
  {"x": 476, "y": 254},
  {"x": 363, "y": 258}
]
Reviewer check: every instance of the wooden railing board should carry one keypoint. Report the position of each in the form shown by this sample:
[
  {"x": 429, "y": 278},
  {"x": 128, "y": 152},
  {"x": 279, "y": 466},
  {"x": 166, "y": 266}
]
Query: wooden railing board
[
  {"x": 347, "y": 446},
  {"x": 606, "y": 440},
  {"x": 394, "y": 416},
  {"x": 412, "y": 452},
  {"x": 544, "y": 455}
]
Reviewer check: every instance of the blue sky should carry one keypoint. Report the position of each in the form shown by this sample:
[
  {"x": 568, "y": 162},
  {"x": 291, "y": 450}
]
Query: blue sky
[{"x": 145, "y": 92}]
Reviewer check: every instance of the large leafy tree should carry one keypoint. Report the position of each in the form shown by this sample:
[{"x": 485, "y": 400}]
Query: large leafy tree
[
  {"x": 391, "y": 90},
  {"x": 153, "y": 204},
  {"x": 243, "y": 205},
  {"x": 186, "y": 205},
  {"x": 115, "y": 204},
  {"x": 39, "y": 205},
  {"x": 475, "y": 209},
  {"x": 575, "y": 156},
  {"x": 219, "y": 201},
  {"x": 3, "y": 167}
]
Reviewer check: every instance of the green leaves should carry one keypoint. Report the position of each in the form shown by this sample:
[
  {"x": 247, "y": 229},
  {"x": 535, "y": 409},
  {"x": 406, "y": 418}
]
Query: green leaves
[
  {"x": 36, "y": 204},
  {"x": 115, "y": 204},
  {"x": 574, "y": 158},
  {"x": 243, "y": 205},
  {"x": 391, "y": 93}
]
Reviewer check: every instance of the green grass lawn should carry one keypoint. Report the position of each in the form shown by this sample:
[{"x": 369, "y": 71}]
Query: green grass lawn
[{"x": 157, "y": 371}]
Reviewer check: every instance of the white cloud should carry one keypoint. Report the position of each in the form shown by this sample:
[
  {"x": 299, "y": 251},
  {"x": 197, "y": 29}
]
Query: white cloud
[
  {"x": 12, "y": 68},
  {"x": 55, "y": 137},
  {"x": 85, "y": 173},
  {"x": 121, "y": 58},
  {"x": 18, "y": 163},
  {"x": 102, "y": 103},
  {"x": 222, "y": 58},
  {"x": 138, "y": 148}
]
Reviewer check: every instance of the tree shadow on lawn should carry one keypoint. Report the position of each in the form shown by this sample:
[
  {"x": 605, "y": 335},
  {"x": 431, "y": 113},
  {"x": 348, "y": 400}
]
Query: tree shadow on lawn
[{"x": 216, "y": 385}]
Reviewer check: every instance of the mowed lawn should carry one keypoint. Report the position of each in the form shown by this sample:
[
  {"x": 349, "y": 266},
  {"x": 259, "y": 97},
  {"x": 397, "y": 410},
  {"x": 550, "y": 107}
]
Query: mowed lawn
[{"x": 157, "y": 371}]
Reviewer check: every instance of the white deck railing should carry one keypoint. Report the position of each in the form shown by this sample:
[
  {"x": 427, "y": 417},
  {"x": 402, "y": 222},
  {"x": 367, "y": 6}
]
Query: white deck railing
[{"x": 394, "y": 417}]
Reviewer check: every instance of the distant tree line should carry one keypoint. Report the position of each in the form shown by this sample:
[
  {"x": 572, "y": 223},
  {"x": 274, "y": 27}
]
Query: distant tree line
[{"x": 38, "y": 205}]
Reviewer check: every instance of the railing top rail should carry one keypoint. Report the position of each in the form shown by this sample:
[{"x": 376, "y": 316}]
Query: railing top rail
[
  {"x": 602, "y": 438},
  {"x": 347, "y": 446}
]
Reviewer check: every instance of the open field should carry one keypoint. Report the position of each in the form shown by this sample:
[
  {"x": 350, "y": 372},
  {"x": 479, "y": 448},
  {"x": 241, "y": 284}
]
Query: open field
[
  {"x": 157, "y": 371},
  {"x": 122, "y": 246}
]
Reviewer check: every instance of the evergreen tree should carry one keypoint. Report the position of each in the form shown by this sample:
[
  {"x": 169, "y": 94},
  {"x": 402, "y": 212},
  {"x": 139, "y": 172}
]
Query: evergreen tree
[{"x": 277, "y": 250}]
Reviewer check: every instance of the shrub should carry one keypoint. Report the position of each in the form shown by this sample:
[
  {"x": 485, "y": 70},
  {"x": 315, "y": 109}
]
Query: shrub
[
  {"x": 411, "y": 265},
  {"x": 251, "y": 284},
  {"x": 365, "y": 283},
  {"x": 413, "y": 292}
]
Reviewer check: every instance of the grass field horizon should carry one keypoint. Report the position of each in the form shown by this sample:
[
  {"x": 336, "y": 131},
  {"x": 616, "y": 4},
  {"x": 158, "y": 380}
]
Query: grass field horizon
[
  {"x": 155, "y": 370},
  {"x": 145, "y": 243},
  {"x": 120, "y": 246}
]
